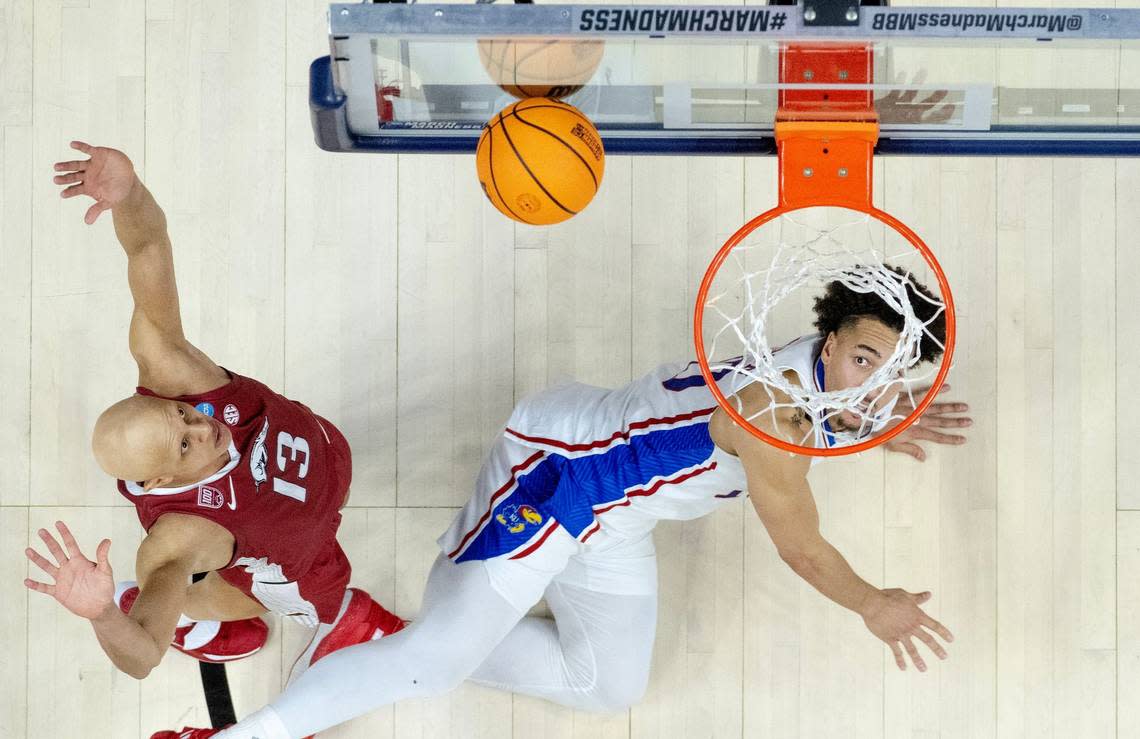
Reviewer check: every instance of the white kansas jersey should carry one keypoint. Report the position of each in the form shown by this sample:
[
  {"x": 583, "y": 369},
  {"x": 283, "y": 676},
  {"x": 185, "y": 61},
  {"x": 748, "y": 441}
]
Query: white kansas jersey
[{"x": 613, "y": 460}]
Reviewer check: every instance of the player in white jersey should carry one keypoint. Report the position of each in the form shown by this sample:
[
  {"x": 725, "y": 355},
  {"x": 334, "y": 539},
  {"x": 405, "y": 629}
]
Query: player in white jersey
[{"x": 564, "y": 508}]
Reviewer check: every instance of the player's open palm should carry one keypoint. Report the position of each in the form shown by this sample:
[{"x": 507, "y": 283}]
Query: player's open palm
[
  {"x": 897, "y": 619},
  {"x": 83, "y": 587},
  {"x": 107, "y": 177}
]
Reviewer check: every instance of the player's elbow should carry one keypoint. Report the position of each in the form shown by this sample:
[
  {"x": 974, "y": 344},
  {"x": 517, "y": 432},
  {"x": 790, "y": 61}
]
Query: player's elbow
[
  {"x": 800, "y": 560},
  {"x": 140, "y": 665},
  {"x": 139, "y": 669}
]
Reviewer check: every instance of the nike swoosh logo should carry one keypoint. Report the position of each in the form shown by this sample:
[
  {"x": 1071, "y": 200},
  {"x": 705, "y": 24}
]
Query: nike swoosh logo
[{"x": 233, "y": 500}]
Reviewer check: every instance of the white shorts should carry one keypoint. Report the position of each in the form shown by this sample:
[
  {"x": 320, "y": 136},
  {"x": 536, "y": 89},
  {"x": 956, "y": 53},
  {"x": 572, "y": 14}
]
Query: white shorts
[{"x": 525, "y": 549}]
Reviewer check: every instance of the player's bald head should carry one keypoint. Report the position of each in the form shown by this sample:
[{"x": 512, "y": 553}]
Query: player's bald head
[{"x": 127, "y": 440}]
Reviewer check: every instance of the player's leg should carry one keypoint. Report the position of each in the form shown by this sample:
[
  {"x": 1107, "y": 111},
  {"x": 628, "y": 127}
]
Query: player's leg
[
  {"x": 462, "y": 619},
  {"x": 595, "y": 653},
  {"x": 339, "y": 615},
  {"x": 468, "y": 607},
  {"x": 214, "y": 599},
  {"x": 220, "y": 623}
]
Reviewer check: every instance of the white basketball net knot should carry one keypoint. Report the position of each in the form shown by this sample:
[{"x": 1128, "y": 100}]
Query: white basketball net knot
[{"x": 807, "y": 257}]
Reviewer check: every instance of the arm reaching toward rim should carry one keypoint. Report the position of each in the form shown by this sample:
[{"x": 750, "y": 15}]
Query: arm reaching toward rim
[{"x": 782, "y": 497}]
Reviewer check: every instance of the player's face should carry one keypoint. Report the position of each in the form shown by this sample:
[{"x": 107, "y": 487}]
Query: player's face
[
  {"x": 192, "y": 442},
  {"x": 849, "y": 357}
]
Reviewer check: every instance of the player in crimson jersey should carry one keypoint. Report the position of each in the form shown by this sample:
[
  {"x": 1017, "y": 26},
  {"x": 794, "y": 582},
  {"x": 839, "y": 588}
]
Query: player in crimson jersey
[{"x": 228, "y": 478}]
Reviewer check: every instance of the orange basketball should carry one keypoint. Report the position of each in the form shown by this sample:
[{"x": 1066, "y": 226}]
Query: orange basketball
[
  {"x": 540, "y": 68},
  {"x": 540, "y": 161}
]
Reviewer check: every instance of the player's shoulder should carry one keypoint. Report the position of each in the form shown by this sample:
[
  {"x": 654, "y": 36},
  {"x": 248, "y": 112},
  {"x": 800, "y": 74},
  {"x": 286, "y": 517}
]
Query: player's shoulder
[
  {"x": 758, "y": 399},
  {"x": 180, "y": 371},
  {"x": 769, "y": 409}
]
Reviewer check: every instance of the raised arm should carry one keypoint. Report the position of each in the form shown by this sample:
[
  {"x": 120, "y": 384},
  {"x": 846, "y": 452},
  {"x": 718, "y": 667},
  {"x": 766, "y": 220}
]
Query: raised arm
[
  {"x": 167, "y": 362},
  {"x": 780, "y": 493}
]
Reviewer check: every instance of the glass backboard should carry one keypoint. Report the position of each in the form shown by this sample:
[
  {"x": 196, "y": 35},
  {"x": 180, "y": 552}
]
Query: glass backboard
[{"x": 710, "y": 79}]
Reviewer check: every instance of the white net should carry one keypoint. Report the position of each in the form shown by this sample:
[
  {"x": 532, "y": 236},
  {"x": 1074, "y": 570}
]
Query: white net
[{"x": 767, "y": 287}]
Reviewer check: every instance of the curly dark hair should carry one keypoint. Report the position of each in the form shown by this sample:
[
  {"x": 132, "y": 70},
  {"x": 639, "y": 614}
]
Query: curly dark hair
[{"x": 840, "y": 307}]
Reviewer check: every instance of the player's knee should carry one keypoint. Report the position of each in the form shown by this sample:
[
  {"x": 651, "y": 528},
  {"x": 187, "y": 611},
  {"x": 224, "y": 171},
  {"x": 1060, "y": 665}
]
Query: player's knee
[
  {"x": 438, "y": 670},
  {"x": 431, "y": 683},
  {"x": 614, "y": 692}
]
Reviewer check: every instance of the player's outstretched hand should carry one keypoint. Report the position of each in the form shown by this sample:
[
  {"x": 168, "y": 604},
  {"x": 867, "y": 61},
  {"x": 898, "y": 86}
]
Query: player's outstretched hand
[
  {"x": 936, "y": 416},
  {"x": 107, "y": 177},
  {"x": 83, "y": 587},
  {"x": 894, "y": 616}
]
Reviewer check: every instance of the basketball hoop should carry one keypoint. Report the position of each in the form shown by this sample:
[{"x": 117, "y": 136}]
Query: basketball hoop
[{"x": 825, "y": 165}]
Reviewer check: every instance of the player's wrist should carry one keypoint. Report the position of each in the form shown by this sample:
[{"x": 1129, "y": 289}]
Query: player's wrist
[
  {"x": 107, "y": 614},
  {"x": 870, "y": 602}
]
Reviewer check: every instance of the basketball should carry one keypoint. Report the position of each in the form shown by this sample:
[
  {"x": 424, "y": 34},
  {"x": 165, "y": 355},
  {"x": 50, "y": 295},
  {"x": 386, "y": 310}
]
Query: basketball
[
  {"x": 540, "y": 161},
  {"x": 552, "y": 69}
]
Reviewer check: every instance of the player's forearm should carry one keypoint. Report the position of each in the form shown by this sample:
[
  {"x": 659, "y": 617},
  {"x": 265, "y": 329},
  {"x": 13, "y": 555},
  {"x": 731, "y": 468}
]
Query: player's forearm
[
  {"x": 139, "y": 221},
  {"x": 127, "y": 643},
  {"x": 827, "y": 571}
]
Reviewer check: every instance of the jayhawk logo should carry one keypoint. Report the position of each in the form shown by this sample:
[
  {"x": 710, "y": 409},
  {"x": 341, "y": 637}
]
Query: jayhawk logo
[{"x": 516, "y": 517}]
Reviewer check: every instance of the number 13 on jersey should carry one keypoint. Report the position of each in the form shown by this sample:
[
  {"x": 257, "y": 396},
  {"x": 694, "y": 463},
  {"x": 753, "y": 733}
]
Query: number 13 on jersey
[{"x": 291, "y": 450}]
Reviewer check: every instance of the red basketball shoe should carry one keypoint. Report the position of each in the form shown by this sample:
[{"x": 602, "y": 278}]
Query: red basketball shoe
[
  {"x": 207, "y": 641},
  {"x": 360, "y": 619},
  {"x": 186, "y": 733}
]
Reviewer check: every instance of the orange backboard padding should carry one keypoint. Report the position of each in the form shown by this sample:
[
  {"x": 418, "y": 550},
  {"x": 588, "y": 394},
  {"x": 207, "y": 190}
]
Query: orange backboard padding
[{"x": 826, "y": 162}]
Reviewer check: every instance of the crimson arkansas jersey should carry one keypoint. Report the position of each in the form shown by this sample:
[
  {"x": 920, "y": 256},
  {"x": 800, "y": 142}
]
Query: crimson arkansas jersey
[{"x": 279, "y": 495}]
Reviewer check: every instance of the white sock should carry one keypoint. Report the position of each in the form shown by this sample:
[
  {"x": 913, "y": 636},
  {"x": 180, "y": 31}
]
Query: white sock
[{"x": 263, "y": 724}]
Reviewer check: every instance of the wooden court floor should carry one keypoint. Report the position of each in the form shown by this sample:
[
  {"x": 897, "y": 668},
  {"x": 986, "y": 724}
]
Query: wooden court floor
[{"x": 388, "y": 295}]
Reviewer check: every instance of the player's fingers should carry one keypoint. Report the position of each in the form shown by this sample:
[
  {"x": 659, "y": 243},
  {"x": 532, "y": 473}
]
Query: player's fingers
[
  {"x": 920, "y": 598},
  {"x": 897, "y": 651},
  {"x": 74, "y": 165},
  {"x": 913, "y": 450},
  {"x": 68, "y": 539},
  {"x": 93, "y": 212},
  {"x": 40, "y": 561},
  {"x": 939, "y": 438},
  {"x": 915, "y": 657},
  {"x": 72, "y": 191},
  {"x": 945, "y": 407},
  {"x": 937, "y": 421},
  {"x": 930, "y": 642},
  {"x": 937, "y": 628},
  {"x": 53, "y": 546},
  {"x": 101, "y": 554},
  {"x": 67, "y": 179},
  {"x": 39, "y": 587},
  {"x": 83, "y": 147}
]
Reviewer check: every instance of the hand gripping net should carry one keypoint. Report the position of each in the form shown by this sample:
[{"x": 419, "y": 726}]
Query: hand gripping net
[{"x": 765, "y": 287}]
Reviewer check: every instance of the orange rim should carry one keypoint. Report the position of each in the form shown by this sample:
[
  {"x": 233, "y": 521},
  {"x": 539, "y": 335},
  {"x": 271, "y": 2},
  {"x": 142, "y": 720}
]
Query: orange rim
[{"x": 722, "y": 401}]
